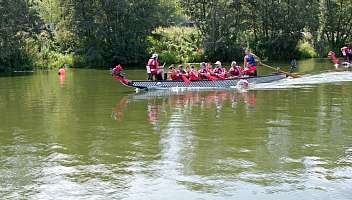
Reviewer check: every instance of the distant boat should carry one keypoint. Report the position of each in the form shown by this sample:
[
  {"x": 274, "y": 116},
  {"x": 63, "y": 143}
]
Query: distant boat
[{"x": 23, "y": 71}]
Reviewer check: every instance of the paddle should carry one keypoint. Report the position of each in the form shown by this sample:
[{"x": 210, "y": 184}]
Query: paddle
[
  {"x": 164, "y": 75},
  {"x": 278, "y": 69}
]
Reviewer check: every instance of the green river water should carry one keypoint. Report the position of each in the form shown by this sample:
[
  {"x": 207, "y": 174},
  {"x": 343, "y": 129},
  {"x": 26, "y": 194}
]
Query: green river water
[{"x": 88, "y": 137}]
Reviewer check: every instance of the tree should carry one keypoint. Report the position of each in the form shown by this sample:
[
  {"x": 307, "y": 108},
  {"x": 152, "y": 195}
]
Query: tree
[
  {"x": 220, "y": 22},
  {"x": 112, "y": 31},
  {"x": 335, "y": 20},
  {"x": 271, "y": 27},
  {"x": 18, "y": 22},
  {"x": 278, "y": 25}
]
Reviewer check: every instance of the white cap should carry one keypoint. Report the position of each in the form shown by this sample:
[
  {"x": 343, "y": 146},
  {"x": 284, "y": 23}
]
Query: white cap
[
  {"x": 154, "y": 55},
  {"x": 218, "y": 63},
  {"x": 233, "y": 63}
]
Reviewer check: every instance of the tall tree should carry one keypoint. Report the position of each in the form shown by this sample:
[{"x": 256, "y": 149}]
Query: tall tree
[
  {"x": 278, "y": 25},
  {"x": 49, "y": 10},
  {"x": 272, "y": 27},
  {"x": 220, "y": 22},
  {"x": 112, "y": 31},
  {"x": 17, "y": 22},
  {"x": 336, "y": 22}
]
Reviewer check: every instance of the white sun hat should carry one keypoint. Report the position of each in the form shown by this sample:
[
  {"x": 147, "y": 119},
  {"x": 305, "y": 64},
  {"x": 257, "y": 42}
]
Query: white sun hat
[{"x": 218, "y": 63}]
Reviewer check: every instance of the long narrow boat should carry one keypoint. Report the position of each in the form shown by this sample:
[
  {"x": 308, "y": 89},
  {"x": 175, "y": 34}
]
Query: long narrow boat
[{"x": 199, "y": 84}]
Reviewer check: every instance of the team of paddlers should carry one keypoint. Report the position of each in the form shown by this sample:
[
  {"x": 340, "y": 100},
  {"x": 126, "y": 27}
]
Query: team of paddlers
[{"x": 206, "y": 71}]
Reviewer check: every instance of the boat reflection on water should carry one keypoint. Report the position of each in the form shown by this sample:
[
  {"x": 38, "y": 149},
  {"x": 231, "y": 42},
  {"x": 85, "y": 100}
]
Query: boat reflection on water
[
  {"x": 158, "y": 102},
  {"x": 118, "y": 114}
]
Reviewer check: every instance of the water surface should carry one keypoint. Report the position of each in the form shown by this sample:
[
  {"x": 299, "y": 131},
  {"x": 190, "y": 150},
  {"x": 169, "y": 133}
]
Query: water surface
[{"x": 86, "y": 137}]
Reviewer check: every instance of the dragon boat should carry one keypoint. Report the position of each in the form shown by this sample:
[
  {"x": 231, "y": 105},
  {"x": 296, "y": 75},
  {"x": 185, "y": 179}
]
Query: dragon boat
[{"x": 198, "y": 84}]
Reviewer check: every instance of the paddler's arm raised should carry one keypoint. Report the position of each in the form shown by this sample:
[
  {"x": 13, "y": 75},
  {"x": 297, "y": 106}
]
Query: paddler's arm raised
[{"x": 257, "y": 58}]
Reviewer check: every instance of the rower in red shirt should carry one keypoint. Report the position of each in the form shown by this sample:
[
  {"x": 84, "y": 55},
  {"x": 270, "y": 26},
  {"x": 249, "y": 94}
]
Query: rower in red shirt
[
  {"x": 203, "y": 72},
  {"x": 235, "y": 70},
  {"x": 193, "y": 74},
  {"x": 219, "y": 71},
  {"x": 153, "y": 66}
]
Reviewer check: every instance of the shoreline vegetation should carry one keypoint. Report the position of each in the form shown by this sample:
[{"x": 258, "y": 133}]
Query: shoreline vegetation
[{"x": 49, "y": 34}]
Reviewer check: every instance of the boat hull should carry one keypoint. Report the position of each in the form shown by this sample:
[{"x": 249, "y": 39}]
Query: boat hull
[
  {"x": 344, "y": 65},
  {"x": 216, "y": 84}
]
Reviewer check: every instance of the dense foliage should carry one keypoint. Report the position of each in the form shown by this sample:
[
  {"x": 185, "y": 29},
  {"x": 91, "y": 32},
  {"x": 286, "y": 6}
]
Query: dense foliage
[
  {"x": 177, "y": 44},
  {"x": 335, "y": 23},
  {"x": 92, "y": 33},
  {"x": 271, "y": 28},
  {"x": 17, "y": 23}
]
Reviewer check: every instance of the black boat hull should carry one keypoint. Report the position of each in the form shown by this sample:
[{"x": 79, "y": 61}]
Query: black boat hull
[{"x": 216, "y": 84}]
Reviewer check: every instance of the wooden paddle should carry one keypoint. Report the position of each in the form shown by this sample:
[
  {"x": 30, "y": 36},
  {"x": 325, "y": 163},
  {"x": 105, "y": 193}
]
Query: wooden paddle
[{"x": 278, "y": 69}]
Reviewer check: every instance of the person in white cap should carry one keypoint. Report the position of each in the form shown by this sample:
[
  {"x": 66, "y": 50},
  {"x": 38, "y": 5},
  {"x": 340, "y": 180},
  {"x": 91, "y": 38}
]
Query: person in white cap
[
  {"x": 219, "y": 71},
  {"x": 152, "y": 67},
  {"x": 235, "y": 70}
]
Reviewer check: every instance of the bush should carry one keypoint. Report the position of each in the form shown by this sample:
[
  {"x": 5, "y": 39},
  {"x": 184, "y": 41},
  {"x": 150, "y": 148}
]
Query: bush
[
  {"x": 58, "y": 60},
  {"x": 177, "y": 44},
  {"x": 306, "y": 50},
  {"x": 39, "y": 55},
  {"x": 169, "y": 57}
]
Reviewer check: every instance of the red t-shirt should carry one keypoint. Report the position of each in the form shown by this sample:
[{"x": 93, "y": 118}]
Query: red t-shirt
[{"x": 154, "y": 65}]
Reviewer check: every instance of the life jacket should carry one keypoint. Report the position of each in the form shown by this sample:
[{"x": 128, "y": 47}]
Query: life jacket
[
  {"x": 218, "y": 71},
  {"x": 154, "y": 65},
  {"x": 175, "y": 77},
  {"x": 235, "y": 71},
  {"x": 250, "y": 60},
  {"x": 193, "y": 75},
  {"x": 117, "y": 71},
  {"x": 203, "y": 73}
]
